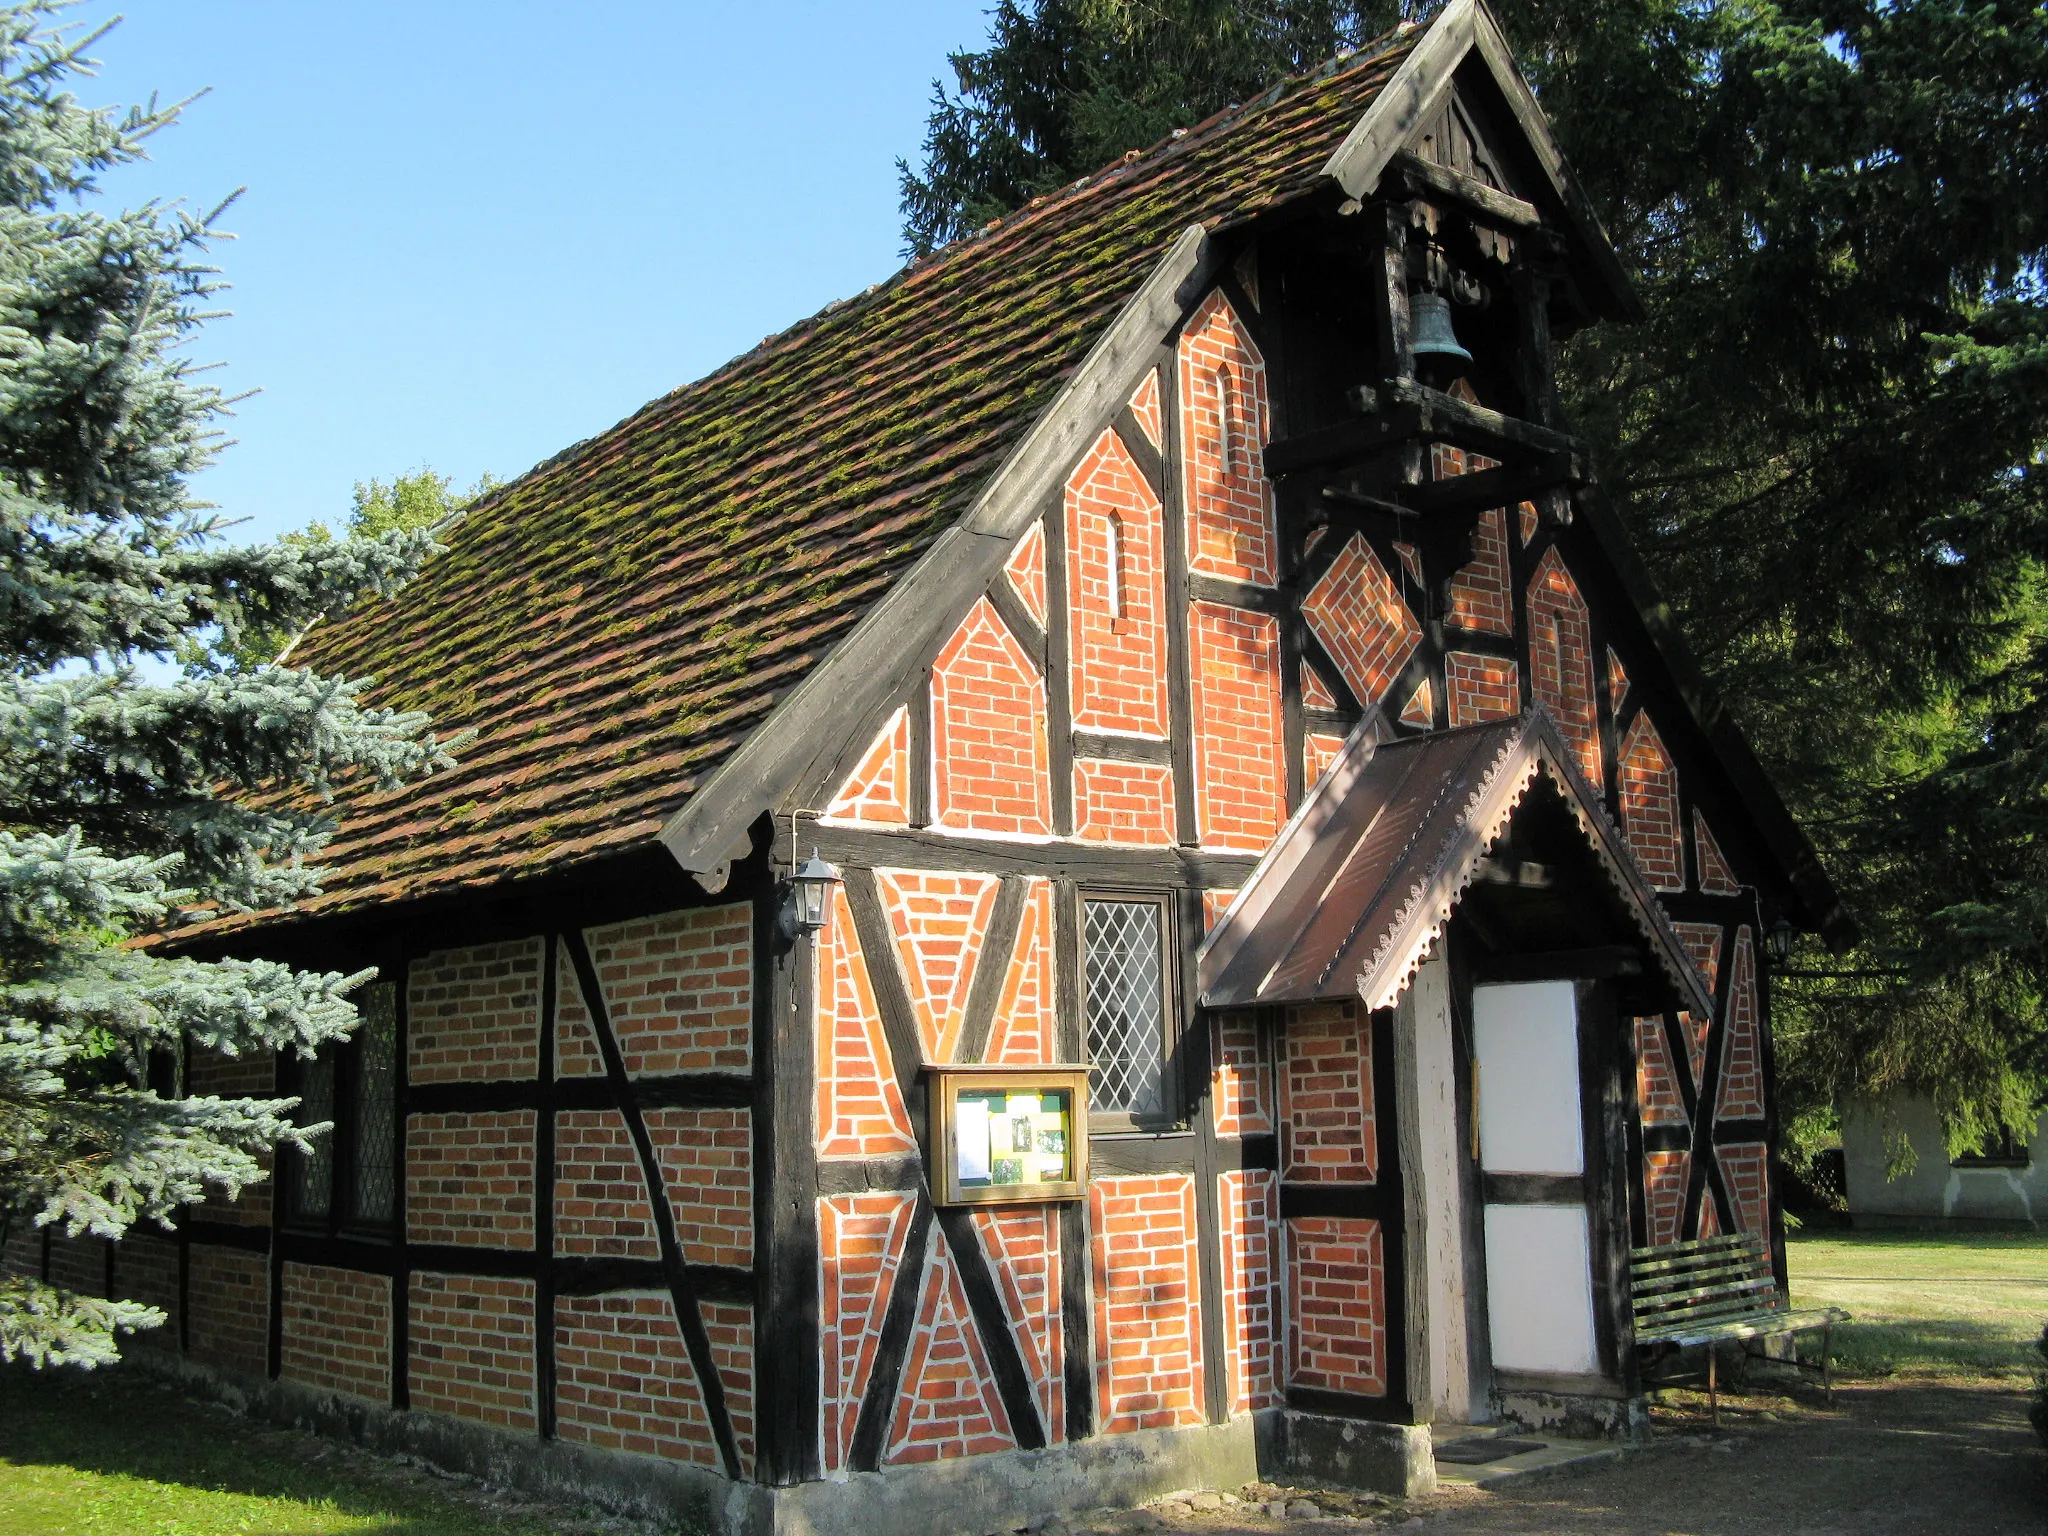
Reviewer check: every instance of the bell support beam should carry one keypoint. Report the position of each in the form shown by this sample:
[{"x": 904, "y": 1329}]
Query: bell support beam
[{"x": 1402, "y": 411}]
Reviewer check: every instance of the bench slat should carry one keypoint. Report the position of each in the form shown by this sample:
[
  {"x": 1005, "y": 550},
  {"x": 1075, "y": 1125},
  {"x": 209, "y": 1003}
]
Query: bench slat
[
  {"x": 1713, "y": 1288},
  {"x": 1776, "y": 1323},
  {"x": 1643, "y": 1285},
  {"x": 1734, "y": 1306},
  {"x": 1716, "y": 1250}
]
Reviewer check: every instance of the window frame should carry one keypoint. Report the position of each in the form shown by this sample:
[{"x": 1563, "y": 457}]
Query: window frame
[
  {"x": 1173, "y": 1115},
  {"x": 2001, "y": 1150},
  {"x": 344, "y": 1207}
]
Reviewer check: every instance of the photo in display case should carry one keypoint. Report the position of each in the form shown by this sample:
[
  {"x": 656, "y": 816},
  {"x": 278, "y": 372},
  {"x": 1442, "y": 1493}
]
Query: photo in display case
[{"x": 1009, "y": 1133}]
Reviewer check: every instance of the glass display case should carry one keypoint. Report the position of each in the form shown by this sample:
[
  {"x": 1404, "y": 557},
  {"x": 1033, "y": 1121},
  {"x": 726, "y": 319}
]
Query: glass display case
[{"x": 1009, "y": 1134}]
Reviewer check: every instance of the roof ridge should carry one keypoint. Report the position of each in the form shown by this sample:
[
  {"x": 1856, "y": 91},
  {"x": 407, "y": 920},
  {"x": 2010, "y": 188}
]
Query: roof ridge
[{"x": 1183, "y": 140}]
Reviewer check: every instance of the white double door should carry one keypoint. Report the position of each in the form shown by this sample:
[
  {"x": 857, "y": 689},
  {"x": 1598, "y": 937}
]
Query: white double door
[{"x": 1539, "y": 1263}]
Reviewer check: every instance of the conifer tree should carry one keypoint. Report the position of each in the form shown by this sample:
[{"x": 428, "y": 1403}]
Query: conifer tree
[{"x": 130, "y": 799}]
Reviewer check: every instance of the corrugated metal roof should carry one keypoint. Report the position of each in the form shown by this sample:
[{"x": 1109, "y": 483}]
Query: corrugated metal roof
[{"x": 1357, "y": 887}]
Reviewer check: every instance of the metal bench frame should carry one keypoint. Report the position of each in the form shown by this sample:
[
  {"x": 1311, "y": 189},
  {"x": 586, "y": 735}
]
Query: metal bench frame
[{"x": 1717, "y": 1288}]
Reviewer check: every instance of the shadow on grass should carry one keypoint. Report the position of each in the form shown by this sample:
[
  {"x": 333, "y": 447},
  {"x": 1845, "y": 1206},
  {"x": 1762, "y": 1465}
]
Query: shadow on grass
[{"x": 117, "y": 1425}]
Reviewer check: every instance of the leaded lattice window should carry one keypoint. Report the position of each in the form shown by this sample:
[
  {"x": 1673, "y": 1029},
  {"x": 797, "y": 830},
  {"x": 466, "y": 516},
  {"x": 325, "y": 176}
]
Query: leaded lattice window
[
  {"x": 313, "y": 1186},
  {"x": 1126, "y": 972},
  {"x": 376, "y": 1048}
]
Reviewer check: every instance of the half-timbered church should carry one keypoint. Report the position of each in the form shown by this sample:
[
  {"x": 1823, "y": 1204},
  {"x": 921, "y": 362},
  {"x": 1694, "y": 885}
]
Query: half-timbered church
[{"x": 1095, "y": 871}]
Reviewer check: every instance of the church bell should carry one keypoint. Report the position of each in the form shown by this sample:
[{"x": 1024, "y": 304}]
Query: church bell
[{"x": 1429, "y": 317}]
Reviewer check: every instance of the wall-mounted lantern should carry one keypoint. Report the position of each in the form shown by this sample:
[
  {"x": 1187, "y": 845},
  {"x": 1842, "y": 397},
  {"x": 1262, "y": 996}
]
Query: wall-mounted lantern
[
  {"x": 1779, "y": 941},
  {"x": 808, "y": 907}
]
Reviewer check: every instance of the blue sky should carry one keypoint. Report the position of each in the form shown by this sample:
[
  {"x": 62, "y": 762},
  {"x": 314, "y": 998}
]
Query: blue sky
[{"x": 476, "y": 232}]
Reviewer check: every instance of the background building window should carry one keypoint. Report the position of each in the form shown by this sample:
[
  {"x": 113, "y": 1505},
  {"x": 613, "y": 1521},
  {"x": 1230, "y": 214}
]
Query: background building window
[
  {"x": 1128, "y": 1017},
  {"x": 1995, "y": 1149}
]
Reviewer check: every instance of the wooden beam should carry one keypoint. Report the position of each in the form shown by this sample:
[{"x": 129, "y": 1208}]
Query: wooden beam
[
  {"x": 1597, "y": 963},
  {"x": 1524, "y": 874},
  {"x": 1469, "y": 192},
  {"x": 1095, "y": 863},
  {"x": 1123, "y": 749},
  {"x": 1403, "y": 102}
]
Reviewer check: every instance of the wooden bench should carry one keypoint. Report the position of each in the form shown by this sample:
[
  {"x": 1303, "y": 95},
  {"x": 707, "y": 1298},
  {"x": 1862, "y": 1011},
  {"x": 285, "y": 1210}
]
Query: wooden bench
[{"x": 1717, "y": 1288}]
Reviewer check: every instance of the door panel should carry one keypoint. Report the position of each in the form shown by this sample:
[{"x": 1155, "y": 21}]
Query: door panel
[
  {"x": 1540, "y": 1291},
  {"x": 1539, "y": 1272},
  {"x": 1526, "y": 1037}
]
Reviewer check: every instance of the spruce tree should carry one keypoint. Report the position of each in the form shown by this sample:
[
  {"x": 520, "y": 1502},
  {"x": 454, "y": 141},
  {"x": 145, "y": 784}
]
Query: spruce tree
[
  {"x": 1829, "y": 437},
  {"x": 135, "y": 797}
]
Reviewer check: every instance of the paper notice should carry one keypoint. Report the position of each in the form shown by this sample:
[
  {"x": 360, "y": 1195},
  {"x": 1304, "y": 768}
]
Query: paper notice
[{"x": 970, "y": 1140}]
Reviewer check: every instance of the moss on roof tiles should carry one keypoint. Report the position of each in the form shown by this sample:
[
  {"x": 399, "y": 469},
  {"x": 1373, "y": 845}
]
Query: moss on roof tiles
[{"x": 615, "y": 621}]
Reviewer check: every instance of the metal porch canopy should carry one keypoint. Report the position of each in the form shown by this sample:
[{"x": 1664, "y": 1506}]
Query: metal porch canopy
[{"x": 1355, "y": 890}]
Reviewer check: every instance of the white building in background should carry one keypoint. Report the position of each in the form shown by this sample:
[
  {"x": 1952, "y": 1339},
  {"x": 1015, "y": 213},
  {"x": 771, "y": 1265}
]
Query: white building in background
[{"x": 2005, "y": 1185}]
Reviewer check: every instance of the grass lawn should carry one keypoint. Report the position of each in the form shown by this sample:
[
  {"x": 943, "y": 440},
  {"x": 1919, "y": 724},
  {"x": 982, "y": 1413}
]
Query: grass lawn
[
  {"x": 1927, "y": 1303},
  {"x": 112, "y": 1454}
]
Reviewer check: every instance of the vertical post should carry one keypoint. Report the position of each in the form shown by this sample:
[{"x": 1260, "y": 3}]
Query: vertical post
[
  {"x": 785, "y": 1192},
  {"x": 1059, "y": 707},
  {"x": 1605, "y": 1110},
  {"x": 401, "y": 1272},
  {"x": 1180, "y": 658},
  {"x": 1198, "y": 1076},
  {"x": 544, "y": 1192},
  {"x": 1077, "y": 1310},
  {"x": 1536, "y": 372},
  {"x": 1425, "y": 1059}
]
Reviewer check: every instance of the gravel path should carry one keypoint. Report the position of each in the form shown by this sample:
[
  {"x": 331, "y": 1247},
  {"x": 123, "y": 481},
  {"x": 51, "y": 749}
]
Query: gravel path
[{"x": 1891, "y": 1459}]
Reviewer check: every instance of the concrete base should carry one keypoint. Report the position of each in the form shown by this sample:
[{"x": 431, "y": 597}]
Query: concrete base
[
  {"x": 1552, "y": 1456},
  {"x": 1296, "y": 1447},
  {"x": 966, "y": 1497},
  {"x": 1575, "y": 1407},
  {"x": 978, "y": 1494}
]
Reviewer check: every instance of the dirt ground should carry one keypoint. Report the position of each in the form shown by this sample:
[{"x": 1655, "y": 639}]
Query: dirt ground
[{"x": 1902, "y": 1458}]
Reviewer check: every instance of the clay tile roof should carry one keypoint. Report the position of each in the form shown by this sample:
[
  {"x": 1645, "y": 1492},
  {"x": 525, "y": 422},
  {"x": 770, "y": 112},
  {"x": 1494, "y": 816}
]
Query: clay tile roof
[{"x": 614, "y": 622}]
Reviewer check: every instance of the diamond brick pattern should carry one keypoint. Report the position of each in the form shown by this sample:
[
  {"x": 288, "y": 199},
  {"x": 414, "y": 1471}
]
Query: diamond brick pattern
[{"x": 1358, "y": 615}]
